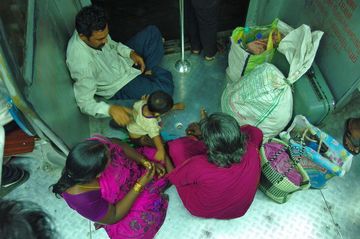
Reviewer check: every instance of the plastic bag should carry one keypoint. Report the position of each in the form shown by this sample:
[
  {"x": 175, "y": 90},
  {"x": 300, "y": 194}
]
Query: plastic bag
[
  {"x": 321, "y": 155},
  {"x": 252, "y": 46}
]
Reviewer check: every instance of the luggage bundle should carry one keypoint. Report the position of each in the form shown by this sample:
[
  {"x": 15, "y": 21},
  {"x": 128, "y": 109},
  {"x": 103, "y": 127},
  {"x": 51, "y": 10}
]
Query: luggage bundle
[
  {"x": 263, "y": 96},
  {"x": 269, "y": 83},
  {"x": 304, "y": 157}
]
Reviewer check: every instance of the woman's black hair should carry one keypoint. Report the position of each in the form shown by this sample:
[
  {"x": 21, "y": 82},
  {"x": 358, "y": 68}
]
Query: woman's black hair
[
  {"x": 85, "y": 161},
  {"x": 90, "y": 19},
  {"x": 160, "y": 102},
  {"x": 24, "y": 219},
  {"x": 222, "y": 136}
]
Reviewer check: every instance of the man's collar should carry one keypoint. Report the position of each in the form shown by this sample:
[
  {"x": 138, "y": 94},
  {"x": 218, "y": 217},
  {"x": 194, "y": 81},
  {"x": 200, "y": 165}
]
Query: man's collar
[{"x": 77, "y": 37}]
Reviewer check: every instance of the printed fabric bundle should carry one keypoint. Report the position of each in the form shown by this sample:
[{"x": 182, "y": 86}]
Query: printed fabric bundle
[
  {"x": 281, "y": 174},
  {"x": 321, "y": 156}
]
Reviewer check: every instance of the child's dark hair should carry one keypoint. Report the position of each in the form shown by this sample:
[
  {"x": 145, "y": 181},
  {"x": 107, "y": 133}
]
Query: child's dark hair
[{"x": 160, "y": 102}]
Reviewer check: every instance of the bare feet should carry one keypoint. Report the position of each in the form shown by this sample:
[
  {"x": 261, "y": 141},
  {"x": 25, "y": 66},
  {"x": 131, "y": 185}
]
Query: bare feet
[
  {"x": 196, "y": 52},
  {"x": 203, "y": 113},
  {"x": 209, "y": 58},
  {"x": 148, "y": 73},
  {"x": 178, "y": 106}
]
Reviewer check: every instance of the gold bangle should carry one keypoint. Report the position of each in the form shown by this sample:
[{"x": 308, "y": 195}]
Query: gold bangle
[
  {"x": 137, "y": 187},
  {"x": 146, "y": 163}
]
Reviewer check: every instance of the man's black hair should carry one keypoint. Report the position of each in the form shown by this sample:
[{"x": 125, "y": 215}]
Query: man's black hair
[
  {"x": 90, "y": 19},
  {"x": 160, "y": 102}
]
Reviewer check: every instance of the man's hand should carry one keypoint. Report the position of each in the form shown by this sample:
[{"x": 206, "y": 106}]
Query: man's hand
[
  {"x": 121, "y": 114},
  {"x": 138, "y": 60}
]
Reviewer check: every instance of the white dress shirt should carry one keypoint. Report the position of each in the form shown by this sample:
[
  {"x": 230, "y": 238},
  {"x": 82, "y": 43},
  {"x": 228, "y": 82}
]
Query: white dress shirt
[{"x": 98, "y": 72}]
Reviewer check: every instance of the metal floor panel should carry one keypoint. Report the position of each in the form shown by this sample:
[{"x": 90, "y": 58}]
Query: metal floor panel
[{"x": 333, "y": 212}]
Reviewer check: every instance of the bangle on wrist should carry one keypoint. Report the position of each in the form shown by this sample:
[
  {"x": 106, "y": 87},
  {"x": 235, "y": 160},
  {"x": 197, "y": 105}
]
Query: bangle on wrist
[
  {"x": 145, "y": 163},
  {"x": 137, "y": 187}
]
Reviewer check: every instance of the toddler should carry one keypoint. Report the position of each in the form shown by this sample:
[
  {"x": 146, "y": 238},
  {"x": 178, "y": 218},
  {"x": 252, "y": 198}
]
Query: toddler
[{"x": 145, "y": 128}]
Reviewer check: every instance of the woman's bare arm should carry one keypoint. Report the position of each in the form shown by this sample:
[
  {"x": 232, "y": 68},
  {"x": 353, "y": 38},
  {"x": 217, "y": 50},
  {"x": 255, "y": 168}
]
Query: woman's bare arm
[
  {"x": 129, "y": 151},
  {"x": 117, "y": 211}
]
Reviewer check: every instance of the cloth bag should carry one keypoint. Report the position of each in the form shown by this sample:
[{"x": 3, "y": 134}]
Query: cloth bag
[
  {"x": 320, "y": 155},
  {"x": 279, "y": 182},
  {"x": 241, "y": 61},
  {"x": 263, "y": 97}
]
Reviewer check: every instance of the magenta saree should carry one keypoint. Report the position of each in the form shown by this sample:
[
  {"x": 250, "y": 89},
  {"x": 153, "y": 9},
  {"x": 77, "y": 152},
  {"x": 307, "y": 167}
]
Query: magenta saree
[{"x": 148, "y": 212}]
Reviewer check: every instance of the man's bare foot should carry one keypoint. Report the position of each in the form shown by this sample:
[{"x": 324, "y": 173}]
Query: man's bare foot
[
  {"x": 178, "y": 106},
  {"x": 148, "y": 73},
  {"x": 203, "y": 113}
]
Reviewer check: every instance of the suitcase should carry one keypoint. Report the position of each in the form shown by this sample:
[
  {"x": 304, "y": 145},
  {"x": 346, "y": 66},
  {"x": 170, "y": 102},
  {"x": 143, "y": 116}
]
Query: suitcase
[
  {"x": 311, "y": 94},
  {"x": 17, "y": 141}
]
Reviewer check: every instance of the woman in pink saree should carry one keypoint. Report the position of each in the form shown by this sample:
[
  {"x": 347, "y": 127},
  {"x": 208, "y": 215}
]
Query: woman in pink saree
[
  {"x": 115, "y": 186},
  {"x": 217, "y": 167}
]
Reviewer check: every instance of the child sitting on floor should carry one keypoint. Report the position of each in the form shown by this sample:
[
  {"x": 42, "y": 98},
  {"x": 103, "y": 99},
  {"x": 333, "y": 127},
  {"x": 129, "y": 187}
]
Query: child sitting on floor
[{"x": 145, "y": 129}]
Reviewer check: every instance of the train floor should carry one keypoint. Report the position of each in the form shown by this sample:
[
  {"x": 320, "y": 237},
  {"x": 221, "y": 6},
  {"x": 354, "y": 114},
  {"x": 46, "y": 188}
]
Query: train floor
[{"x": 332, "y": 212}]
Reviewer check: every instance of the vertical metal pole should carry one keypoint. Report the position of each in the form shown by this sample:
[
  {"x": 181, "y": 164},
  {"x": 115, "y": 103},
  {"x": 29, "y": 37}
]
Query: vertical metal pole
[
  {"x": 181, "y": 8},
  {"x": 182, "y": 65},
  {"x": 2, "y": 146}
]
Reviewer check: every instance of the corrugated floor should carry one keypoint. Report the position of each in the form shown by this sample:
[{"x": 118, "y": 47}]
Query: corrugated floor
[{"x": 333, "y": 212}]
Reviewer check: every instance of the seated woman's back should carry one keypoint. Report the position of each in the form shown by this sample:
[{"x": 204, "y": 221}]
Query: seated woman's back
[{"x": 208, "y": 189}]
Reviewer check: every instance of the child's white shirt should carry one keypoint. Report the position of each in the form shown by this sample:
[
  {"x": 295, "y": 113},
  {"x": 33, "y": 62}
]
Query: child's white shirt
[{"x": 143, "y": 125}]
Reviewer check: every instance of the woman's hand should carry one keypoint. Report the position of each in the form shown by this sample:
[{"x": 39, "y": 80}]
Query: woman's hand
[
  {"x": 146, "y": 163},
  {"x": 160, "y": 170},
  {"x": 193, "y": 130},
  {"x": 148, "y": 176}
]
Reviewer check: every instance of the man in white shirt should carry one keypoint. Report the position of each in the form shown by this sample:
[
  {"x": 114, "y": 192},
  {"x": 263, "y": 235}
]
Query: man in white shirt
[{"x": 102, "y": 67}]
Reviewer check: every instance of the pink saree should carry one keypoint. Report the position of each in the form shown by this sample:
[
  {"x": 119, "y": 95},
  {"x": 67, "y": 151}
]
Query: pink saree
[
  {"x": 148, "y": 211},
  {"x": 209, "y": 191}
]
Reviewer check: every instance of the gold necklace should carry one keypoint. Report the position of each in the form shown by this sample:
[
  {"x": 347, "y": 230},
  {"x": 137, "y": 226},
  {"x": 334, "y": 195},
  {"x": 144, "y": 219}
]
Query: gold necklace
[{"x": 88, "y": 187}]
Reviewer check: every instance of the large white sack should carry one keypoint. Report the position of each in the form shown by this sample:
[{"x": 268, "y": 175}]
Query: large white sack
[{"x": 263, "y": 98}]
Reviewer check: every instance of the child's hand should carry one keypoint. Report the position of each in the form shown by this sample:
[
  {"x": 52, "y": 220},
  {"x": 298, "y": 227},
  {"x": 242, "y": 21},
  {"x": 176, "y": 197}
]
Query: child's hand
[
  {"x": 178, "y": 106},
  {"x": 160, "y": 155}
]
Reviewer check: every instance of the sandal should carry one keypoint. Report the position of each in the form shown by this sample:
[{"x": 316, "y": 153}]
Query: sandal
[
  {"x": 209, "y": 58},
  {"x": 350, "y": 143},
  {"x": 196, "y": 52}
]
